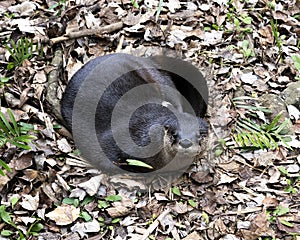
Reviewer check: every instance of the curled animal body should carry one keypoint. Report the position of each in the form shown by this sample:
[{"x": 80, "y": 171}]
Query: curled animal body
[{"x": 122, "y": 108}]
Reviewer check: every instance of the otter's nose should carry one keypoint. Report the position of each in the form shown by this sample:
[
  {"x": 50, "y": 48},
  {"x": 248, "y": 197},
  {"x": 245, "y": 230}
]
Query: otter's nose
[{"x": 185, "y": 143}]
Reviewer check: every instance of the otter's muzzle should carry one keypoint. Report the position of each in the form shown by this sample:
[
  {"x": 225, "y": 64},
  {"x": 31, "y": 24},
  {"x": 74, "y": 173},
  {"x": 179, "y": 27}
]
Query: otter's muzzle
[{"x": 185, "y": 143}]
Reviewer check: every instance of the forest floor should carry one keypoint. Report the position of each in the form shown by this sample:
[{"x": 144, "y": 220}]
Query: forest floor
[{"x": 246, "y": 186}]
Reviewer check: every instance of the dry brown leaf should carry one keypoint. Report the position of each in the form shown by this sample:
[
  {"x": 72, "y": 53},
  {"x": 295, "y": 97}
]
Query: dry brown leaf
[
  {"x": 270, "y": 202},
  {"x": 64, "y": 215},
  {"x": 63, "y": 145},
  {"x": 30, "y": 174},
  {"x": 192, "y": 236},
  {"x": 202, "y": 177},
  {"x": 267, "y": 36},
  {"x": 180, "y": 207},
  {"x": 118, "y": 211},
  {"x": 226, "y": 179},
  {"x": 23, "y": 162},
  {"x": 29, "y": 202},
  {"x": 40, "y": 77},
  {"x": 86, "y": 227},
  {"x": 91, "y": 186}
]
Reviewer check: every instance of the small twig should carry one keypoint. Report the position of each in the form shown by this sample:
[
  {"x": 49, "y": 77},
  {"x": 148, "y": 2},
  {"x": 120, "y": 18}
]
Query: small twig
[
  {"x": 119, "y": 47},
  {"x": 88, "y": 32},
  {"x": 155, "y": 224}
]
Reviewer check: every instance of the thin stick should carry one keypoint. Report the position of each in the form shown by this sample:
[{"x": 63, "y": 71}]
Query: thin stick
[
  {"x": 155, "y": 224},
  {"x": 88, "y": 32}
]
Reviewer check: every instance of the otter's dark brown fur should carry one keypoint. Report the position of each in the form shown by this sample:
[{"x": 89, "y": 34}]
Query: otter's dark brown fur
[{"x": 161, "y": 119}]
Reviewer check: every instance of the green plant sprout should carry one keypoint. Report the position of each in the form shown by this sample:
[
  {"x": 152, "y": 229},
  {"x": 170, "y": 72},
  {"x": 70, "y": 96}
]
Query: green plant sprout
[
  {"x": 5, "y": 217},
  {"x": 12, "y": 133},
  {"x": 19, "y": 51},
  {"x": 5, "y": 166},
  {"x": 135, "y": 3},
  {"x": 158, "y": 10},
  {"x": 275, "y": 31},
  {"x": 3, "y": 81},
  {"x": 247, "y": 50},
  {"x": 249, "y": 135},
  {"x": 238, "y": 20},
  {"x": 291, "y": 183},
  {"x": 296, "y": 60},
  {"x": 279, "y": 211},
  {"x": 33, "y": 229}
]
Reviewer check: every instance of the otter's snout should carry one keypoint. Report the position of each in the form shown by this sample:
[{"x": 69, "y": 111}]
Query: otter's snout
[{"x": 185, "y": 143}]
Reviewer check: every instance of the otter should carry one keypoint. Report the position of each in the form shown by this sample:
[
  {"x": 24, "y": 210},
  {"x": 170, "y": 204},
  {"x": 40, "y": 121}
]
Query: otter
[{"x": 163, "y": 120}]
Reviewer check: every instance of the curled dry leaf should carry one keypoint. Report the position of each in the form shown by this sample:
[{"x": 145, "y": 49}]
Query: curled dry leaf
[
  {"x": 226, "y": 179},
  {"x": 91, "y": 186},
  {"x": 63, "y": 145},
  {"x": 249, "y": 78},
  {"x": 86, "y": 227},
  {"x": 118, "y": 211},
  {"x": 64, "y": 215},
  {"x": 29, "y": 202}
]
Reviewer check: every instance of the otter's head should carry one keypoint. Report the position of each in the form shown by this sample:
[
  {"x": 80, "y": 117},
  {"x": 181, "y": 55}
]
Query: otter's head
[{"x": 186, "y": 136}]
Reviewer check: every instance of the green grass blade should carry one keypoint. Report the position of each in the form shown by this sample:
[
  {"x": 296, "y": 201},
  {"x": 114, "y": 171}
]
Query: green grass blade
[
  {"x": 252, "y": 138},
  {"x": 20, "y": 145},
  {"x": 20, "y": 51},
  {"x": 258, "y": 141},
  {"x": 5, "y": 131},
  {"x": 3, "y": 139},
  {"x": 14, "y": 122},
  {"x": 254, "y": 108},
  {"x": 249, "y": 125},
  {"x": 24, "y": 138},
  {"x": 282, "y": 126},
  {"x": 266, "y": 141},
  {"x": 245, "y": 138},
  {"x": 11, "y": 52},
  {"x": 31, "y": 47},
  {"x": 272, "y": 140},
  {"x": 5, "y": 166},
  {"x": 158, "y": 10},
  {"x": 274, "y": 122},
  {"x": 7, "y": 125}
]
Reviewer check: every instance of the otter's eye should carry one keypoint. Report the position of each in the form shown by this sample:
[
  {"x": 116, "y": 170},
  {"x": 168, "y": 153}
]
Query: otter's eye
[
  {"x": 173, "y": 137},
  {"x": 174, "y": 134}
]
